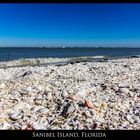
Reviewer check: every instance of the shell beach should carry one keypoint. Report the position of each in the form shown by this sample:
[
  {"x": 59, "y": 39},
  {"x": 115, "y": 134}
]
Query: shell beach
[{"x": 85, "y": 95}]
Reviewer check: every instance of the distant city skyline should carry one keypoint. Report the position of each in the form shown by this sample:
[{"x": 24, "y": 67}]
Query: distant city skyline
[{"x": 91, "y": 25}]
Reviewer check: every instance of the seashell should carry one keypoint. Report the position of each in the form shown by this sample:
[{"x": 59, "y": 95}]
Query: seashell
[
  {"x": 129, "y": 118},
  {"x": 124, "y": 124},
  {"x": 136, "y": 112},
  {"x": 25, "y": 73},
  {"x": 80, "y": 127},
  {"x": 15, "y": 115},
  {"x": 68, "y": 109},
  {"x": 92, "y": 112},
  {"x": 124, "y": 90},
  {"x": 103, "y": 106},
  {"x": 71, "y": 109},
  {"x": 39, "y": 97},
  {"x": 88, "y": 114},
  {"x": 2, "y": 120},
  {"x": 81, "y": 94},
  {"x": 89, "y": 104},
  {"x": 23, "y": 92},
  {"x": 122, "y": 85},
  {"x": 23, "y": 127},
  {"x": 17, "y": 127},
  {"x": 2, "y": 86},
  {"x": 29, "y": 89},
  {"x": 38, "y": 126},
  {"x": 5, "y": 126},
  {"x": 35, "y": 108},
  {"x": 115, "y": 88},
  {"x": 67, "y": 127},
  {"x": 43, "y": 111},
  {"x": 38, "y": 102},
  {"x": 48, "y": 89},
  {"x": 64, "y": 94},
  {"x": 97, "y": 104},
  {"x": 29, "y": 128},
  {"x": 131, "y": 94},
  {"x": 49, "y": 96},
  {"x": 20, "y": 106},
  {"x": 88, "y": 120},
  {"x": 72, "y": 97},
  {"x": 40, "y": 87}
]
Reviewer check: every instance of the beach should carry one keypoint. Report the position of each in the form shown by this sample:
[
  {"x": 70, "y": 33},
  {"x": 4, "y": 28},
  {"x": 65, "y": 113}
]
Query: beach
[{"x": 85, "y": 95}]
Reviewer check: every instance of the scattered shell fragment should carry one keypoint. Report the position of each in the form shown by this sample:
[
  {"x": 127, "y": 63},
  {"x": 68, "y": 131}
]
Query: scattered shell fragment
[
  {"x": 38, "y": 126},
  {"x": 5, "y": 126},
  {"x": 43, "y": 111},
  {"x": 103, "y": 105},
  {"x": 89, "y": 104},
  {"x": 124, "y": 90},
  {"x": 68, "y": 110},
  {"x": 115, "y": 88},
  {"x": 72, "y": 97},
  {"x": 15, "y": 115},
  {"x": 2, "y": 86},
  {"x": 17, "y": 126}
]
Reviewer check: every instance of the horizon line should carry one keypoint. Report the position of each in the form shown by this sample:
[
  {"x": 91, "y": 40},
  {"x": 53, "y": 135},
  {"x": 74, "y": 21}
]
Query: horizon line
[{"x": 24, "y": 46}]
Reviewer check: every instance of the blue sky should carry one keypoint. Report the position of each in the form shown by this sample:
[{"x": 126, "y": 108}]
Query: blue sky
[{"x": 70, "y": 24}]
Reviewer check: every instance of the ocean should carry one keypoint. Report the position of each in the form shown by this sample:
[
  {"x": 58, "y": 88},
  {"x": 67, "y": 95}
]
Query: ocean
[{"x": 24, "y": 52}]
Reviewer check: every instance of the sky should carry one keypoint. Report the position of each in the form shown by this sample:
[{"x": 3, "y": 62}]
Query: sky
[{"x": 70, "y": 24}]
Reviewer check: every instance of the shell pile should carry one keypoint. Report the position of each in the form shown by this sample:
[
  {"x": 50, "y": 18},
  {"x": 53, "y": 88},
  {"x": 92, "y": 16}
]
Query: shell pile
[{"x": 86, "y": 95}]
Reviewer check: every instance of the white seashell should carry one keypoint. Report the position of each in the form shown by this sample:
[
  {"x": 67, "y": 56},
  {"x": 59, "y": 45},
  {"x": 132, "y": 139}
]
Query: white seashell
[
  {"x": 92, "y": 112},
  {"x": 124, "y": 124},
  {"x": 36, "y": 107},
  {"x": 72, "y": 97},
  {"x": 22, "y": 106},
  {"x": 49, "y": 96},
  {"x": 122, "y": 85},
  {"x": 39, "y": 97},
  {"x": 29, "y": 89},
  {"x": 5, "y": 126},
  {"x": 67, "y": 127},
  {"x": 43, "y": 111},
  {"x": 97, "y": 104},
  {"x": 129, "y": 118},
  {"x": 40, "y": 87},
  {"x": 64, "y": 94},
  {"x": 124, "y": 90},
  {"x": 131, "y": 94},
  {"x": 81, "y": 93},
  {"x": 38, "y": 126},
  {"x": 2, "y": 86},
  {"x": 100, "y": 120},
  {"x": 23, "y": 127},
  {"x": 17, "y": 126},
  {"x": 48, "y": 88},
  {"x": 15, "y": 115},
  {"x": 23, "y": 92},
  {"x": 88, "y": 113},
  {"x": 88, "y": 120}
]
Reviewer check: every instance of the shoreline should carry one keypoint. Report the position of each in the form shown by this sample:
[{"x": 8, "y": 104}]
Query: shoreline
[{"x": 58, "y": 61}]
